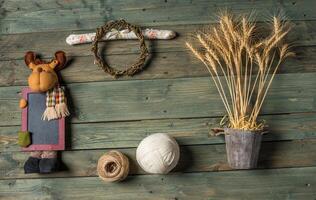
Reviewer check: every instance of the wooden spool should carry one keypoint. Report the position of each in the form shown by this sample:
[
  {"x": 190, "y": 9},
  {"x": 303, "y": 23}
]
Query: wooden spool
[{"x": 242, "y": 148}]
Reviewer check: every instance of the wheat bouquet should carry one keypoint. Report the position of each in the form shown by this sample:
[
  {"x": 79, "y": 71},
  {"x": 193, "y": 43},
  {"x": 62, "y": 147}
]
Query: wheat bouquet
[{"x": 242, "y": 65}]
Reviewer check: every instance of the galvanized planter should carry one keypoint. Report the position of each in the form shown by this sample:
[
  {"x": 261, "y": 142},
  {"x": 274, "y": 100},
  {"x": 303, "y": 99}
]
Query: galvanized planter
[{"x": 242, "y": 148}]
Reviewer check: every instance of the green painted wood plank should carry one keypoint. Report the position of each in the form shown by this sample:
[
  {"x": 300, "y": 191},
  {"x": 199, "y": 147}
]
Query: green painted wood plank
[
  {"x": 186, "y": 131},
  {"x": 164, "y": 98},
  {"x": 161, "y": 66},
  {"x": 291, "y": 184},
  {"x": 34, "y": 16},
  {"x": 14, "y": 46},
  {"x": 193, "y": 159}
]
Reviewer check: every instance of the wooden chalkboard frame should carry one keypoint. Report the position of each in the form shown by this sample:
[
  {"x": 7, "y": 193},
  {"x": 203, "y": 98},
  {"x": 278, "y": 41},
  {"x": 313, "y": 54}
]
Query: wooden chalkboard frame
[{"x": 39, "y": 147}]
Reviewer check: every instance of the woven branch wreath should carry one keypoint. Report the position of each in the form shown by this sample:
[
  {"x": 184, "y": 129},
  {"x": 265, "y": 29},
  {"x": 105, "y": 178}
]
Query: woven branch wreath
[{"x": 119, "y": 25}]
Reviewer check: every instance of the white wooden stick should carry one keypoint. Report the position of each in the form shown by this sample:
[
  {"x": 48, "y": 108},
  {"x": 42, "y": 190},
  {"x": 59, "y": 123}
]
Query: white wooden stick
[{"x": 125, "y": 34}]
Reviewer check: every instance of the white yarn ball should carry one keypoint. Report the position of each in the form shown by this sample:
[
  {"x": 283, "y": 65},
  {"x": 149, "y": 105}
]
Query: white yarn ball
[{"x": 158, "y": 153}]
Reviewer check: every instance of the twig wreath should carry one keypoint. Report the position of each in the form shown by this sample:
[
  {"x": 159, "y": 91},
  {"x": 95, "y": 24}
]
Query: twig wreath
[{"x": 119, "y": 25}]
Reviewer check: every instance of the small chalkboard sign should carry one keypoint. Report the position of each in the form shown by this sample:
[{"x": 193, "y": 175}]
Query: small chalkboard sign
[{"x": 45, "y": 135}]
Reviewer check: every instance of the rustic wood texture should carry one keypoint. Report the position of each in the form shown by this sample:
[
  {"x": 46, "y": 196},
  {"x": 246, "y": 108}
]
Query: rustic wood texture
[
  {"x": 187, "y": 132},
  {"x": 168, "y": 59},
  {"x": 193, "y": 159},
  {"x": 173, "y": 95},
  {"x": 298, "y": 184},
  {"x": 160, "y": 66},
  {"x": 15, "y": 45},
  {"x": 73, "y": 15},
  {"x": 164, "y": 98}
]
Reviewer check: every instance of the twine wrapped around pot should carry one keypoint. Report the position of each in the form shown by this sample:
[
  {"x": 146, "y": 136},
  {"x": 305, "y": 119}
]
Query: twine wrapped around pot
[{"x": 113, "y": 166}]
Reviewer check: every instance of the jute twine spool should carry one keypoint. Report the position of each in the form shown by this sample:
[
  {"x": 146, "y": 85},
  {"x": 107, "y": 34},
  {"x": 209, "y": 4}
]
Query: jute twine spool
[{"x": 113, "y": 166}]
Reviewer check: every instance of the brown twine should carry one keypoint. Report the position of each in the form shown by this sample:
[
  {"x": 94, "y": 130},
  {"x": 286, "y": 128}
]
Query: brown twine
[
  {"x": 224, "y": 131},
  {"x": 119, "y": 25},
  {"x": 113, "y": 166}
]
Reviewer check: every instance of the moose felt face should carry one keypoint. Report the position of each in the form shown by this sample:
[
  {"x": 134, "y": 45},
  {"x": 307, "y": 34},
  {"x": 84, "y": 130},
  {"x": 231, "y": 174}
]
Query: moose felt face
[{"x": 43, "y": 76}]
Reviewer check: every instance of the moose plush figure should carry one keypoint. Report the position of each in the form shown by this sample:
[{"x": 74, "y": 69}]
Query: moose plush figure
[{"x": 44, "y": 80}]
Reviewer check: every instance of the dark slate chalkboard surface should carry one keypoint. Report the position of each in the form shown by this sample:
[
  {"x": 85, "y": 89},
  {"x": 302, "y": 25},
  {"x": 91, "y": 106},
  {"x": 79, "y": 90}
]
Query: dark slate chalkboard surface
[
  {"x": 45, "y": 135},
  {"x": 43, "y": 132}
]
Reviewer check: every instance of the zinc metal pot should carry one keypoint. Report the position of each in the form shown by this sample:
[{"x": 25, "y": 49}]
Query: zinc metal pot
[{"x": 242, "y": 148}]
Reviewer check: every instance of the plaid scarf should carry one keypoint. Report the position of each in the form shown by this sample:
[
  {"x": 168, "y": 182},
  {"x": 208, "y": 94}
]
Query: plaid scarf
[{"x": 56, "y": 106}]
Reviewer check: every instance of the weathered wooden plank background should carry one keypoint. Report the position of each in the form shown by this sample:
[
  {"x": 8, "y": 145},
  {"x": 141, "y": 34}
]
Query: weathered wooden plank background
[{"x": 173, "y": 95}]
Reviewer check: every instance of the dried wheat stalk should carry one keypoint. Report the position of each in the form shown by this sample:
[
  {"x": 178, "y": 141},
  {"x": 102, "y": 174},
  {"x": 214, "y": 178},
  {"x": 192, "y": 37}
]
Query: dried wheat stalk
[{"x": 242, "y": 65}]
